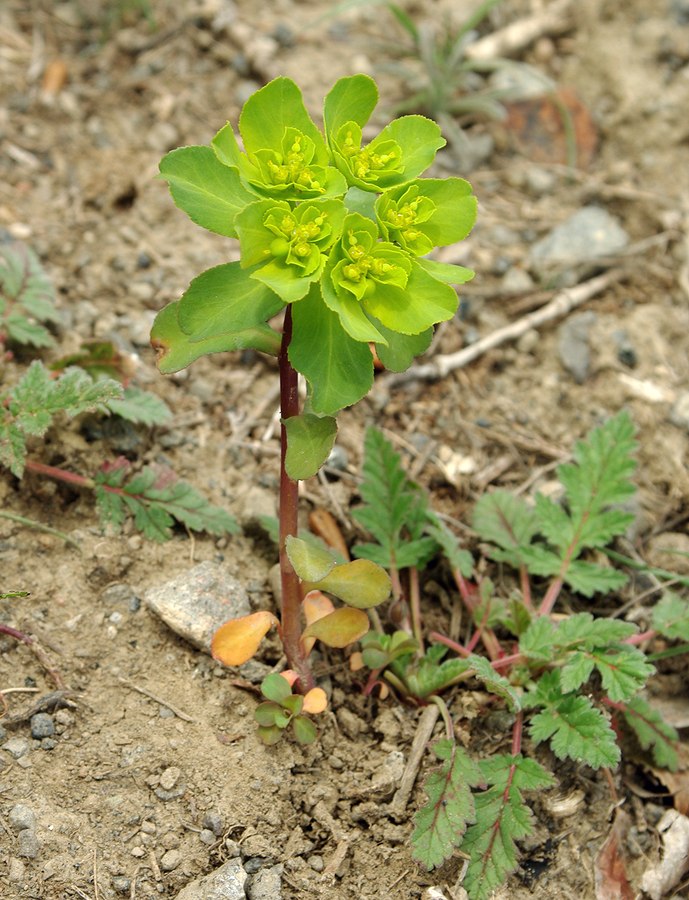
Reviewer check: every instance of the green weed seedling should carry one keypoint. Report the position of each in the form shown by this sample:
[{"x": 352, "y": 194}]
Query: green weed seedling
[
  {"x": 334, "y": 235},
  {"x": 94, "y": 380},
  {"x": 573, "y": 681}
]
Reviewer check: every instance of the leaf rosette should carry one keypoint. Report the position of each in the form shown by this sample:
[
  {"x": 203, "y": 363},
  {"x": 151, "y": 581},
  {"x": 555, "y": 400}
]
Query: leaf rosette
[
  {"x": 428, "y": 213},
  {"x": 368, "y": 282},
  {"x": 288, "y": 244}
]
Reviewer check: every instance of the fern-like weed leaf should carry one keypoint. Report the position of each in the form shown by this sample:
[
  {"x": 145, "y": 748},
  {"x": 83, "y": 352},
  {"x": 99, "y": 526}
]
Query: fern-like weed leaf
[
  {"x": 502, "y": 818},
  {"x": 441, "y": 822},
  {"x": 653, "y": 732}
]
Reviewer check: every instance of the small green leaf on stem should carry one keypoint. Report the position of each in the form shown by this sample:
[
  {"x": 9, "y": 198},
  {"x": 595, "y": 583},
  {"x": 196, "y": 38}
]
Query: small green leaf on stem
[
  {"x": 309, "y": 442},
  {"x": 360, "y": 583},
  {"x": 339, "y": 628},
  {"x": 311, "y": 561}
]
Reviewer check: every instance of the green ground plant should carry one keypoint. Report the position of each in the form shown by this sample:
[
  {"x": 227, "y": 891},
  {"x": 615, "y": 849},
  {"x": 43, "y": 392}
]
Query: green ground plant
[
  {"x": 571, "y": 680},
  {"x": 94, "y": 380},
  {"x": 334, "y": 235}
]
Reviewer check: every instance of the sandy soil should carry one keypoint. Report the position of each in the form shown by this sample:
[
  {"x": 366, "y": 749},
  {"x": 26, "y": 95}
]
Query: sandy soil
[{"x": 132, "y": 799}]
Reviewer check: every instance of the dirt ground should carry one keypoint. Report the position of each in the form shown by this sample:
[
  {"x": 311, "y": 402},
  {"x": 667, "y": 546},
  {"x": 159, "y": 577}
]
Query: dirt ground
[{"x": 130, "y": 798}]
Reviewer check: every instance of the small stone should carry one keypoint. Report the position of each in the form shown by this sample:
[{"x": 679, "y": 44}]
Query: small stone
[
  {"x": 170, "y": 777},
  {"x": 170, "y": 860},
  {"x": 138, "y": 851},
  {"x": 316, "y": 863},
  {"x": 539, "y": 181},
  {"x": 16, "y": 870},
  {"x": 148, "y": 827},
  {"x": 196, "y": 603},
  {"x": 64, "y": 718},
  {"x": 516, "y": 281},
  {"x": 21, "y": 817},
  {"x": 232, "y": 848},
  {"x": 207, "y": 837},
  {"x": 121, "y": 884},
  {"x": 213, "y": 821},
  {"x": 16, "y": 747},
  {"x": 266, "y": 884},
  {"x": 118, "y": 593},
  {"x": 225, "y": 883},
  {"x": 42, "y": 726},
  {"x": 588, "y": 234},
  {"x": 573, "y": 345},
  {"x": 336, "y": 762},
  {"x": 28, "y": 844},
  {"x": 170, "y": 840},
  {"x": 48, "y": 743}
]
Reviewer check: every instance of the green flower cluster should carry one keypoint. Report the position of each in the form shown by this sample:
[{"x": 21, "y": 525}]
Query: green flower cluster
[{"x": 338, "y": 228}]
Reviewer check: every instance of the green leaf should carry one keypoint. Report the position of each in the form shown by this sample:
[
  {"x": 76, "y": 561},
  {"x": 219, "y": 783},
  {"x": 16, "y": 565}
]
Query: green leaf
[
  {"x": 536, "y": 643},
  {"x": 309, "y": 442},
  {"x": 446, "y": 272},
  {"x": 457, "y": 557},
  {"x": 440, "y": 824},
  {"x": 32, "y": 404},
  {"x": 394, "y": 509},
  {"x": 270, "y": 735},
  {"x": 225, "y": 146},
  {"x": 339, "y": 370},
  {"x": 505, "y": 519},
  {"x": 398, "y": 353},
  {"x": 653, "y": 732},
  {"x": 175, "y": 350},
  {"x": 210, "y": 193},
  {"x": 26, "y": 297},
  {"x": 502, "y": 818},
  {"x": 624, "y": 671},
  {"x": 361, "y": 583},
  {"x": 270, "y": 111},
  {"x": 583, "y": 631},
  {"x": 572, "y": 725},
  {"x": 411, "y": 310},
  {"x": 427, "y": 213},
  {"x": 266, "y": 714},
  {"x": 276, "y": 688},
  {"x": 225, "y": 299},
  {"x": 141, "y": 407},
  {"x": 670, "y": 617},
  {"x": 305, "y": 731},
  {"x": 156, "y": 499},
  {"x": 494, "y": 682},
  {"x": 339, "y": 628},
  {"x": 312, "y": 562},
  {"x": 351, "y": 99},
  {"x": 22, "y": 331}
]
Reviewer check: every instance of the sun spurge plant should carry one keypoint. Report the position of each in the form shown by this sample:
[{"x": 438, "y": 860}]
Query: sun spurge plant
[{"x": 334, "y": 233}]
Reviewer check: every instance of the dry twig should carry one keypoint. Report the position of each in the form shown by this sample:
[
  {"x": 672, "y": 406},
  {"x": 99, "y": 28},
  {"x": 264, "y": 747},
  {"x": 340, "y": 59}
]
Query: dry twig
[
  {"x": 508, "y": 41},
  {"x": 559, "y": 306},
  {"x": 423, "y": 734}
]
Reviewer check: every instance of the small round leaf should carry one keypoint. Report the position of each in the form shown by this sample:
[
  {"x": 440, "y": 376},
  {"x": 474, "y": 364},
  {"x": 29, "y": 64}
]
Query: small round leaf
[
  {"x": 339, "y": 628},
  {"x": 315, "y": 701},
  {"x": 304, "y": 730}
]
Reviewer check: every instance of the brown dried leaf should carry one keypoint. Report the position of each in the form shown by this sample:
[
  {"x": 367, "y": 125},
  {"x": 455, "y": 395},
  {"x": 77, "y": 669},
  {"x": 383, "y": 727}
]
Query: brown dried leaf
[
  {"x": 323, "y": 524},
  {"x": 610, "y": 871}
]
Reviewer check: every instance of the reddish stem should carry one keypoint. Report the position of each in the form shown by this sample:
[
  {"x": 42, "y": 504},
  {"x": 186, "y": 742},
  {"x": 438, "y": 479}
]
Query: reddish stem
[
  {"x": 59, "y": 474},
  {"x": 18, "y": 635},
  {"x": 290, "y": 627}
]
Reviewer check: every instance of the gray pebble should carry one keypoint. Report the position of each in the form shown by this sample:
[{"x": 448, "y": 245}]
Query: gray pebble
[
  {"x": 213, "y": 821},
  {"x": 48, "y": 743},
  {"x": 22, "y": 817},
  {"x": 170, "y": 777},
  {"x": 42, "y": 726},
  {"x": 588, "y": 234},
  {"x": 232, "y": 848},
  {"x": 573, "y": 345},
  {"x": 119, "y": 593},
  {"x": 170, "y": 860},
  {"x": 16, "y": 747},
  {"x": 121, "y": 884},
  {"x": 16, "y": 870},
  {"x": 207, "y": 837},
  {"x": 28, "y": 844},
  {"x": 316, "y": 863}
]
